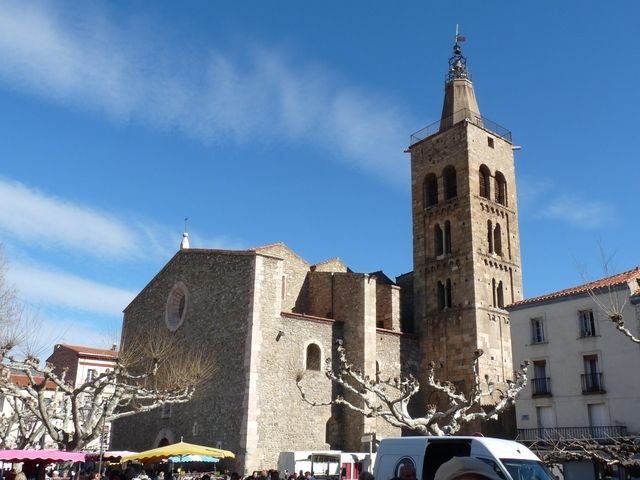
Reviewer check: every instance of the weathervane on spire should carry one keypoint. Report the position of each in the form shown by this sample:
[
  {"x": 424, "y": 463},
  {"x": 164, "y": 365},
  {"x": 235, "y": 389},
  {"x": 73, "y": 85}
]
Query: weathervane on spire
[
  {"x": 458, "y": 62},
  {"x": 185, "y": 235}
]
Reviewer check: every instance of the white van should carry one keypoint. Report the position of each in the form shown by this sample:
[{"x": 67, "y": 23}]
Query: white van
[
  {"x": 510, "y": 460},
  {"x": 325, "y": 465}
]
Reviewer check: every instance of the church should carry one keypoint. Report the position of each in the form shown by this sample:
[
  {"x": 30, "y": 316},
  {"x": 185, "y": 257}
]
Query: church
[{"x": 267, "y": 315}]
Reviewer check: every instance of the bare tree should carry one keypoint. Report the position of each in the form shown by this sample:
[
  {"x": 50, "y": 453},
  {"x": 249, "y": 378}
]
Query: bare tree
[
  {"x": 150, "y": 374},
  {"x": 618, "y": 451},
  {"x": 155, "y": 369},
  {"x": 389, "y": 398},
  {"x": 608, "y": 299}
]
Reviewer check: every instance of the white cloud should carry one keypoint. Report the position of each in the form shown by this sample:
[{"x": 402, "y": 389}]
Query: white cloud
[
  {"x": 88, "y": 62},
  {"x": 42, "y": 287},
  {"x": 44, "y": 220},
  {"x": 38, "y": 218},
  {"x": 587, "y": 214},
  {"x": 532, "y": 189}
]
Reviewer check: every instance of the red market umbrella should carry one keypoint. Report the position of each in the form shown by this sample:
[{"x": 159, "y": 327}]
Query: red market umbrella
[{"x": 42, "y": 455}]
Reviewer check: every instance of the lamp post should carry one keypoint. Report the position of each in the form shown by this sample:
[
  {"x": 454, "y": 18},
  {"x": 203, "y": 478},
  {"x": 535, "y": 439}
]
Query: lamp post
[{"x": 104, "y": 419}]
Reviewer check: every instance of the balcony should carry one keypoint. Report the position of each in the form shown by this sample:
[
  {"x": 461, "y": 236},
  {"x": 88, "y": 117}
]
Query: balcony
[
  {"x": 464, "y": 114},
  {"x": 603, "y": 433},
  {"x": 592, "y": 383},
  {"x": 541, "y": 386}
]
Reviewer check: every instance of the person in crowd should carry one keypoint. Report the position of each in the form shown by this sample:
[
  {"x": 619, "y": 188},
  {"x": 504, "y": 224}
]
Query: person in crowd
[
  {"x": 366, "y": 476},
  {"x": 408, "y": 472},
  {"x": 466, "y": 468}
]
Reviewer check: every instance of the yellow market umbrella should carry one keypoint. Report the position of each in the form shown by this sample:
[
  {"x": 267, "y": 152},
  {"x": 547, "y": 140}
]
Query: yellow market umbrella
[{"x": 179, "y": 449}]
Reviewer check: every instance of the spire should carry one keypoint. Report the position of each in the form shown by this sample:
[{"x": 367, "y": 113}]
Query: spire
[
  {"x": 184, "y": 245},
  {"x": 459, "y": 97}
]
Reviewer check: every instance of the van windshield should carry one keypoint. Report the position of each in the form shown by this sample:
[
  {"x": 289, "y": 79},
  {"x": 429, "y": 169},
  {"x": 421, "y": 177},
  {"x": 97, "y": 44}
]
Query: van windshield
[{"x": 526, "y": 469}]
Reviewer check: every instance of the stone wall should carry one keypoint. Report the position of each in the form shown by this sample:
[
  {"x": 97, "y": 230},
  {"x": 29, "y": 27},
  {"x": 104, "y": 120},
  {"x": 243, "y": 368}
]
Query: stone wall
[
  {"x": 388, "y": 307},
  {"x": 294, "y": 273},
  {"x": 319, "y": 294},
  {"x": 285, "y": 420},
  {"x": 474, "y": 319},
  {"x": 494, "y": 268},
  {"x": 220, "y": 286},
  {"x": 397, "y": 356}
]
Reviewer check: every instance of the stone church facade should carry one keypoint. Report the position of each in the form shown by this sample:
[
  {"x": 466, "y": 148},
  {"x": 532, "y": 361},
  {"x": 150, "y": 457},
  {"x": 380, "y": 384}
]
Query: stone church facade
[{"x": 267, "y": 316}]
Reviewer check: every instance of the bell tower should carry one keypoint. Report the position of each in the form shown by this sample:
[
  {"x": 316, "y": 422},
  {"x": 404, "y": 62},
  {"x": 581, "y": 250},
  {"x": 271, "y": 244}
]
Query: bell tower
[{"x": 466, "y": 246}]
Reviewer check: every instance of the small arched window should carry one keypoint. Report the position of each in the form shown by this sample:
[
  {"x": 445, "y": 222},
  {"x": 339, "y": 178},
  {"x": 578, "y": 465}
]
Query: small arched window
[
  {"x": 438, "y": 241},
  {"x": 442, "y": 299},
  {"x": 430, "y": 190},
  {"x": 497, "y": 239},
  {"x": 450, "y": 183},
  {"x": 447, "y": 237},
  {"x": 485, "y": 181},
  {"x": 313, "y": 357},
  {"x": 494, "y": 303},
  {"x": 448, "y": 294},
  {"x": 490, "y": 235},
  {"x": 500, "y": 295},
  {"x": 501, "y": 189}
]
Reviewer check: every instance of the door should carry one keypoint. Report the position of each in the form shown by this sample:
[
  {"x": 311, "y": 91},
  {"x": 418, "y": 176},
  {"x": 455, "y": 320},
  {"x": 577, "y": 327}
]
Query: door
[
  {"x": 598, "y": 419},
  {"x": 546, "y": 422}
]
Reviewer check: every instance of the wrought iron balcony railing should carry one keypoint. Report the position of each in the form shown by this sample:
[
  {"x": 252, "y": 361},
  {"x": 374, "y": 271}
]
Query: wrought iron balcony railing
[
  {"x": 464, "y": 114},
  {"x": 541, "y": 386},
  {"x": 603, "y": 433},
  {"x": 592, "y": 383}
]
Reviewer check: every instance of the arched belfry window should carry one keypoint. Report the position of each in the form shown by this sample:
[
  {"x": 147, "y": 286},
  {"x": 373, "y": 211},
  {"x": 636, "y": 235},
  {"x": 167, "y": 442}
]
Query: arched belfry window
[
  {"x": 438, "y": 240},
  {"x": 313, "y": 359},
  {"x": 501, "y": 189},
  {"x": 497, "y": 240},
  {"x": 500, "y": 295},
  {"x": 485, "y": 181},
  {"x": 450, "y": 183},
  {"x": 444, "y": 294},
  {"x": 442, "y": 302},
  {"x": 430, "y": 190},
  {"x": 490, "y": 235},
  {"x": 447, "y": 237},
  {"x": 494, "y": 302}
]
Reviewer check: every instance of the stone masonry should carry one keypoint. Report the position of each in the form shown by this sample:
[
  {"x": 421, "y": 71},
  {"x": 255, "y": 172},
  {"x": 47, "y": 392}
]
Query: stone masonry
[
  {"x": 259, "y": 313},
  {"x": 267, "y": 316}
]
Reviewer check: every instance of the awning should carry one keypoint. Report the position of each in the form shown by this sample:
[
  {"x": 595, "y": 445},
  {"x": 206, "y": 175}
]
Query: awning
[
  {"x": 42, "y": 455},
  {"x": 180, "y": 449}
]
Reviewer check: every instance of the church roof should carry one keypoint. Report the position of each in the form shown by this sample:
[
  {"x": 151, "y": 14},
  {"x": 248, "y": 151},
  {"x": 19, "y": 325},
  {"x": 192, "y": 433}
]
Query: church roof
[{"x": 606, "y": 282}]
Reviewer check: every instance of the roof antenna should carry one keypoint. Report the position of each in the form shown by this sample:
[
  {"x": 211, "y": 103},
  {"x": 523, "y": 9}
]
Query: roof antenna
[{"x": 184, "y": 245}]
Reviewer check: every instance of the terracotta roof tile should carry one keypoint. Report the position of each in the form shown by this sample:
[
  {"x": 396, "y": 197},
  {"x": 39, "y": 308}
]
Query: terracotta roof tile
[
  {"x": 617, "y": 279},
  {"x": 106, "y": 352}
]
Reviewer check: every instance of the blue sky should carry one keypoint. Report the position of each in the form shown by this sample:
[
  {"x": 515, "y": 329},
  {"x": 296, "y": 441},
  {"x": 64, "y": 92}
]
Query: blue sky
[{"x": 287, "y": 121}]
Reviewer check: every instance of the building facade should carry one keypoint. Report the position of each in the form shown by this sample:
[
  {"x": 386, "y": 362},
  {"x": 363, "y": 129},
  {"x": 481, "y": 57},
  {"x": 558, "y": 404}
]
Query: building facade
[
  {"x": 82, "y": 364},
  {"x": 583, "y": 380},
  {"x": 268, "y": 316}
]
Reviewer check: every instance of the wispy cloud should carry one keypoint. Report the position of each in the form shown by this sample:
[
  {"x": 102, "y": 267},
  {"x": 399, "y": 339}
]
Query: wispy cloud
[
  {"x": 36, "y": 217},
  {"x": 580, "y": 212},
  {"x": 42, "y": 287},
  {"x": 532, "y": 189},
  {"x": 540, "y": 197},
  {"x": 47, "y": 221},
  {"x": 90, "y": 62}
]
